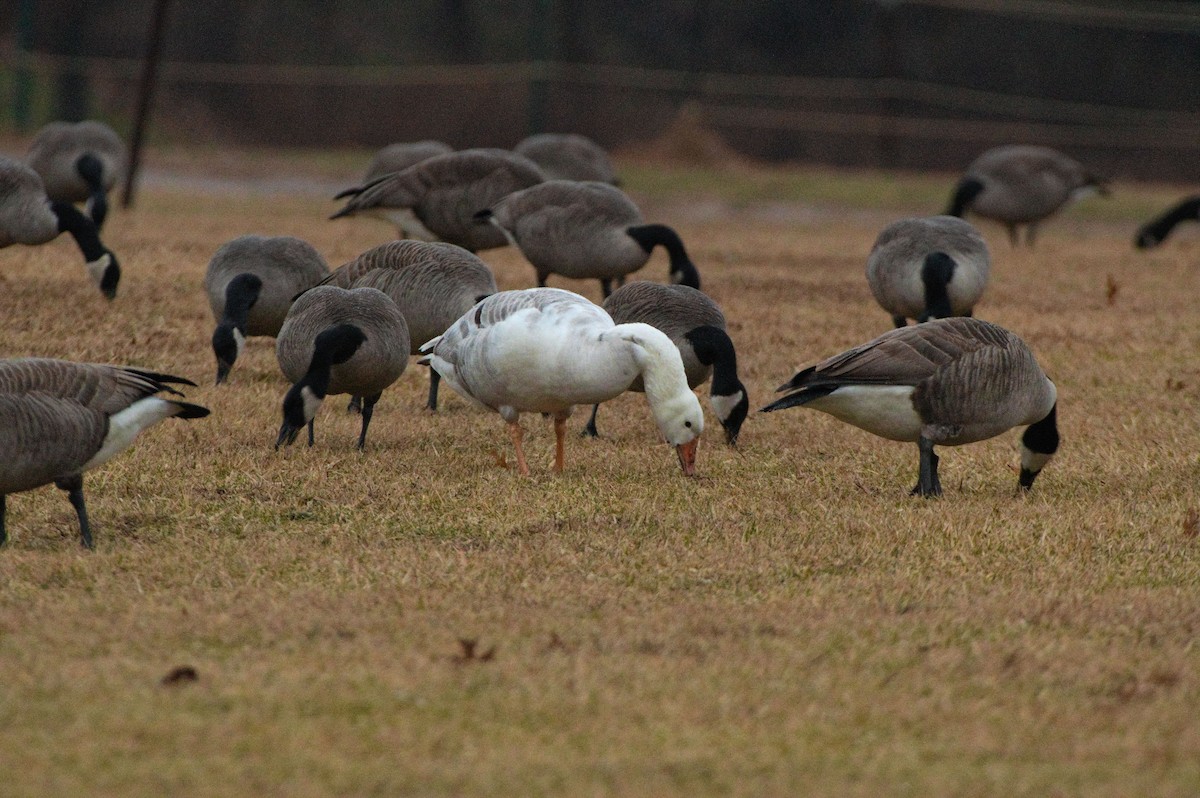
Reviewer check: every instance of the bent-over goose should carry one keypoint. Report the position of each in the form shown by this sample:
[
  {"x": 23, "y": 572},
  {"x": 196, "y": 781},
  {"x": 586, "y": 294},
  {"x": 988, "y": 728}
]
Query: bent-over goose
[
  {"x": 1155, "y": 231},
  {"x": 586, "y": 231},
  {"x": 335, "y": 341},
  {"x": 433, "y": 284},
  {"x": 1021, "y": 185},
  {"x": 79, "y": 162},
  {"x": 928, "y": 268},
  {"x": 251, "y": 282},
  {"x": 546, "y": 350},
  {"x": 696, "y": 325},
  {"x": 59, "y": 419},
  {"x": 28, "y": 216},
  {"x": 568, "y": 156},
  {"x": 943, "y": 383},
  {"x": 437, "y": 199}
]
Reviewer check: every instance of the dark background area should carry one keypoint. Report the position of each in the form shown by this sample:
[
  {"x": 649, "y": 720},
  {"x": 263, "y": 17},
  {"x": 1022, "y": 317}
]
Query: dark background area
[{"x": 913, "y": 85}]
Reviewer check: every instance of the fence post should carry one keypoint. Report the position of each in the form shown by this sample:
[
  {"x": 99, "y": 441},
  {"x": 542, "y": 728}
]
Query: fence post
[{"x": 145, "y": 90}]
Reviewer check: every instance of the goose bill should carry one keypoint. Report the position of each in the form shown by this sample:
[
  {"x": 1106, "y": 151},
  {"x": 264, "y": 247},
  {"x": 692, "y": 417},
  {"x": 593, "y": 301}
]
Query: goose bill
[{"x": 687, "y": 456}]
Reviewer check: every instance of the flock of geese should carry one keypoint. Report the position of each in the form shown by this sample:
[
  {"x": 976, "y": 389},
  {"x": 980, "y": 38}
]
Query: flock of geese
[{"x": 948, "y": 380}]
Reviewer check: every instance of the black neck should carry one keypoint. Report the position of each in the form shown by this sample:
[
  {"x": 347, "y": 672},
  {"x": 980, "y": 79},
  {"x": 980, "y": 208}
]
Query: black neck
[
  {"x": 81, "y": 228},
  {"x": 714, "y": 348},
  {"x": 648, "y": 236},
  {"x": 332, "y": 346},
  {"x": 967, "y": 190},
  {"x": 240, "y": 295},
  {"x": 1187, "y": 210},
  {"x": 1042, "y": 436},
  {"x": 936, "y": 274}
]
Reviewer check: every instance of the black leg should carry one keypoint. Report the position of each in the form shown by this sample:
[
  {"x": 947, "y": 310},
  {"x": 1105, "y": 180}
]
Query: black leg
[
  {"x": 899, "y": 321},
  {"x": 355, "y": 405},
  {"x": 3, "y": 530},
  {"x": 590, "y": 430},
  {"x": 542, "y": 280},
  {"x": 928, "y": 483},
  {"x": 367, "y": 411},
  {"x": 1012, "y": 236},
  {"x": 310, "y": 433},
  {"x": 434, "y": 379},
  {"x": 606, "y": 288},
  {"x": 74, "y": 488}
]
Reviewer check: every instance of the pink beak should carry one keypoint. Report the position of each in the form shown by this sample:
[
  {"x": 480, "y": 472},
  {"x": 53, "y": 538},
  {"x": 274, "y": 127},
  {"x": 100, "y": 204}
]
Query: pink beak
[{"x": 687, "y": 456}]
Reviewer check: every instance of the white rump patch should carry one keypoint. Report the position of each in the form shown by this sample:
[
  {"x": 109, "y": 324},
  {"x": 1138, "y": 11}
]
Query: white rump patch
[
  {"x": 883, "y": 410},
  {"x": 124, "y": 426}
]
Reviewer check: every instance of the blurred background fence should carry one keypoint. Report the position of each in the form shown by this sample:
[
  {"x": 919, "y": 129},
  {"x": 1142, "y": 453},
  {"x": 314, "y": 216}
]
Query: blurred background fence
[{"x": 912, "y": 84}]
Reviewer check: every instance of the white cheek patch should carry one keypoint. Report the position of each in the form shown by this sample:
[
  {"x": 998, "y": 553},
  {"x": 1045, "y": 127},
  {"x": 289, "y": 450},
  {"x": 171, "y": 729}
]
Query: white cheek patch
[
  {"x": 240, "y": 340},
  {"x": 1033, "y": 461},
  {"x": 724, "y": 405},
  {"x": 312, "y": 403},
  {"x": 97, "y": 267}
]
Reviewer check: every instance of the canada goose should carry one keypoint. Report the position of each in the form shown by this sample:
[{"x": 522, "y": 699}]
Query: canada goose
[
  {"x": 696, "y": 325},
  {"x": 336, "y": 340},
  {"x": 926, "y": 268},
  {"x": 28, "y": 216},
  {"x": 945, "y": 383},
  {"x": 251, "y": 282},
  {"x": 433, "y": 284},
  {"x": 568, "y": 156},
  {"x": 401, "y": 155},
  {"x": 59, "y": 419},
  {"x": 545, "y": 350},
  {"x": 79, "y": 162},
  {"x": 436, "y": 199},
  {"x": 585, "y": 230},
  {"x": 1020, "y": 184},
  {"x": 1155, "y": 231}
]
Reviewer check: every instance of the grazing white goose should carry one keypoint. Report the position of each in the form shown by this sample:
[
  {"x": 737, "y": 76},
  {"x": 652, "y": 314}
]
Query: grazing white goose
[
  {"x": 433, "y": 284},
  {"x": 59, "y": 419},
  {"x": 437, "y": 199},
  {"x": 696, "y": 325},
  {"x": 946, "y": 382},
  {"x": 28, "y": 216},
  {"x": 928, "y": 268},
  {"x": 338, "y": 341},
  {"x": 568, "y": 156},
  {"x": 251, "y": 282},
  {"x": 79, "y": 162},
  {"x": 545, "y": 350},
  {"x": 1155, "y": 231},
  {"x": 1021, "y": 185},
  {"x": 585, "y": 231}
]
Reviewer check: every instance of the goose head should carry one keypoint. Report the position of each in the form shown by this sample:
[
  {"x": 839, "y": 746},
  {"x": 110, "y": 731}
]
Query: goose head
[
  {"x": 675, "y": 408},
  {"x": 227, "y": 343},
  {"x": 105, "y": 272}
]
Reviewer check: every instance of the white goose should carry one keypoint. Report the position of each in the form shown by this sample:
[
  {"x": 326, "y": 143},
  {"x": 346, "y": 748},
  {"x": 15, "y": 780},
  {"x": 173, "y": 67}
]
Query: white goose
[{"x": 545, "y": 350}]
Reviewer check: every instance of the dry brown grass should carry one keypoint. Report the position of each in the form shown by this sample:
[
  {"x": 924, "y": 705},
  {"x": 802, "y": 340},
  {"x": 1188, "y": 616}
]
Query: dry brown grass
[{"x": 791, "y": 622}]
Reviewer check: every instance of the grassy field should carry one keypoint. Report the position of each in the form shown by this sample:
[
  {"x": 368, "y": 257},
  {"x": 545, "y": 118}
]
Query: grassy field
[{"x": 789, "y": 622}]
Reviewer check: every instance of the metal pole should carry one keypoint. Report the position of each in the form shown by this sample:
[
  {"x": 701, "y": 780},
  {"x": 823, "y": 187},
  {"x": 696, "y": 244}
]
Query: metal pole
[{"x": 145, "y": 91}]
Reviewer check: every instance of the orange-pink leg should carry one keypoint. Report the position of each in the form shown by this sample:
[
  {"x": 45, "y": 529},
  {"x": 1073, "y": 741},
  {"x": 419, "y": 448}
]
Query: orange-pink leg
[
  {"x": 560, "y": 434},
  {"x": 514, "y": 429}
]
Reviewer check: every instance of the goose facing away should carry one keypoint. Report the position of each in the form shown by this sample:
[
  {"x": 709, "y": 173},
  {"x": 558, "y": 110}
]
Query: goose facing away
[
  {"x": 79, "y": 162},
  {"x": 1021, "y": 185},
  {"x": 545, "y": 350},
  {"x": 568, "y": 156},
  {"x": 1155, "y": 231},
  {"x": 28, "y": 216},
  {"x": 696, "y": 325},
  {"x": 59, "y": 419},
  {"x": 943, "y": 383},
  {"x": 586, "y": 231},
  {"x": 433, "y": 284},
  {"x": 335, "y": 341},
  {"x": 928, "y": 268},
  {"x": 250, "y": 283},
  {"x": 437, "y": 199}
]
